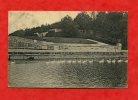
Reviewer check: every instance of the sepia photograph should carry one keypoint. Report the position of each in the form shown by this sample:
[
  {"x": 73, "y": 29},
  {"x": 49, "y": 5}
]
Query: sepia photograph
[{"x": 68, "y": 49}]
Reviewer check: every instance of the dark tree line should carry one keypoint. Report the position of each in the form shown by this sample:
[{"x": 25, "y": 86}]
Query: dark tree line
[{"x": 108, "y": 27}]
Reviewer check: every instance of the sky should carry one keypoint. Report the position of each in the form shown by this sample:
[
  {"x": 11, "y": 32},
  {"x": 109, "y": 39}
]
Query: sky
[{"x": 28, "y": 19}]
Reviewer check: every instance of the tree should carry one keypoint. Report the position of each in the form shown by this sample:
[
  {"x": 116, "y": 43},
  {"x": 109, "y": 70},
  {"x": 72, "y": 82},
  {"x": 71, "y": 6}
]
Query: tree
[
  {"x": 18, "y": 33},
  {"x": 83, "y": 20},
  {"x": 28, "y": 32},
  {"x": 111, "y": 27},
  {"x": 69, "y": 27}
]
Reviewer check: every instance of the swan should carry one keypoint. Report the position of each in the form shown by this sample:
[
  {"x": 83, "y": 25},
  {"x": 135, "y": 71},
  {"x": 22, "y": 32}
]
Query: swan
[
  {"x": 119, "y": 61},
  {"x": 13, "y": 62},
  {"x": 73, "y": 61},
  {"x": 79, "y": 61},
  {"x": 109, "y": 61},
  {"x": 101, "y": 61},
  {"x": 69, "y": 61},
  {"x": 113, "y": 61},
  {"x": 126, "y": 61},
  {"x": 91, "y": 61},
  {"x": 84, "y": 61}
]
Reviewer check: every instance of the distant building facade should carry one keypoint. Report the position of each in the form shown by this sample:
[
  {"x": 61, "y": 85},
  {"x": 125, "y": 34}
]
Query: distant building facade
[
  {"x": 41, "y": 34},
  {"x": 56, "y": 30}
]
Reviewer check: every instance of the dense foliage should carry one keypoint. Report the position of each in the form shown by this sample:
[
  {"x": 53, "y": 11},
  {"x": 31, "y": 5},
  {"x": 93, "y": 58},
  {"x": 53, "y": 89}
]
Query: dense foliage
[{"x": 108, "y": 27}]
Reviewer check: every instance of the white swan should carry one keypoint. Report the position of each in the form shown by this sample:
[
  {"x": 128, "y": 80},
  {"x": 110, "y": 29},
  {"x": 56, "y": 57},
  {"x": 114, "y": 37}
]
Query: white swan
[
  {"x": 84, "y": 61},
  {"x": 79, "y": 61},
  {"x": 91, "y": 61},
  {"x": 69, "y": 61},
  {"x": 109, "y": 61},
  {"x": 126, "y": 61},
  {"x": 13, "y": 62},
  {"x": 101, "y": 61},
  {"x": 119, "y": 61},
  {"x": 73, "y": 61},
  {"x": 113, "y": 61}
]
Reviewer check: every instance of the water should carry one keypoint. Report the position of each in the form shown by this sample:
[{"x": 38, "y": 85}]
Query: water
[{"x": 67, "y": 74}]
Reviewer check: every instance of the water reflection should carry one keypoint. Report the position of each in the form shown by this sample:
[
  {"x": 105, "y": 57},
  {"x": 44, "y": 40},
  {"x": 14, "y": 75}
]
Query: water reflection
[{"x": 67, "y": 74}]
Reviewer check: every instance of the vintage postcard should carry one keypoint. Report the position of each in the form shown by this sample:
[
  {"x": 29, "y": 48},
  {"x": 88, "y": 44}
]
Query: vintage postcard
[{"x": 67, "y": 49}]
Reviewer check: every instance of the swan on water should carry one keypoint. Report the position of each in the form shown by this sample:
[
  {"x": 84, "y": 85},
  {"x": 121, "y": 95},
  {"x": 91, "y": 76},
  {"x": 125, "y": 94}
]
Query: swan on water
[
  {"x": 119, "y": 61},
  {"x": 13, "y": 62},
  {"x": 73, "y": 61},
  {"x": 108, "y": 61},
  {"x": 126, "y": 61},
  {"x": 101, "y": 61},
  {"x": 79, "y": 61},
  {"x": 91, "y": 61},
  {"x": 69, "y": 61},
  {"x": 84, "y": 61},
  {"x": 113, "y": 61}
]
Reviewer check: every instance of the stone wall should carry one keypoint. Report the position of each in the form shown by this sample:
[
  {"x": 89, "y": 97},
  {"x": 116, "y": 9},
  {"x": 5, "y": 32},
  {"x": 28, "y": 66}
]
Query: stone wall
[{"x": 23, "y": 43}]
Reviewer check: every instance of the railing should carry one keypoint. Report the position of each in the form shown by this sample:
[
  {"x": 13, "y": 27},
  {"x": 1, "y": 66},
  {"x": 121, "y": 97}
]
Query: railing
[{"x": 80, "y": 55}]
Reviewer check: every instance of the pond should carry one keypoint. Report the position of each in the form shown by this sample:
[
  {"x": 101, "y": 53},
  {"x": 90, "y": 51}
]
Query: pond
[{"x": 50, "y": 74}]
